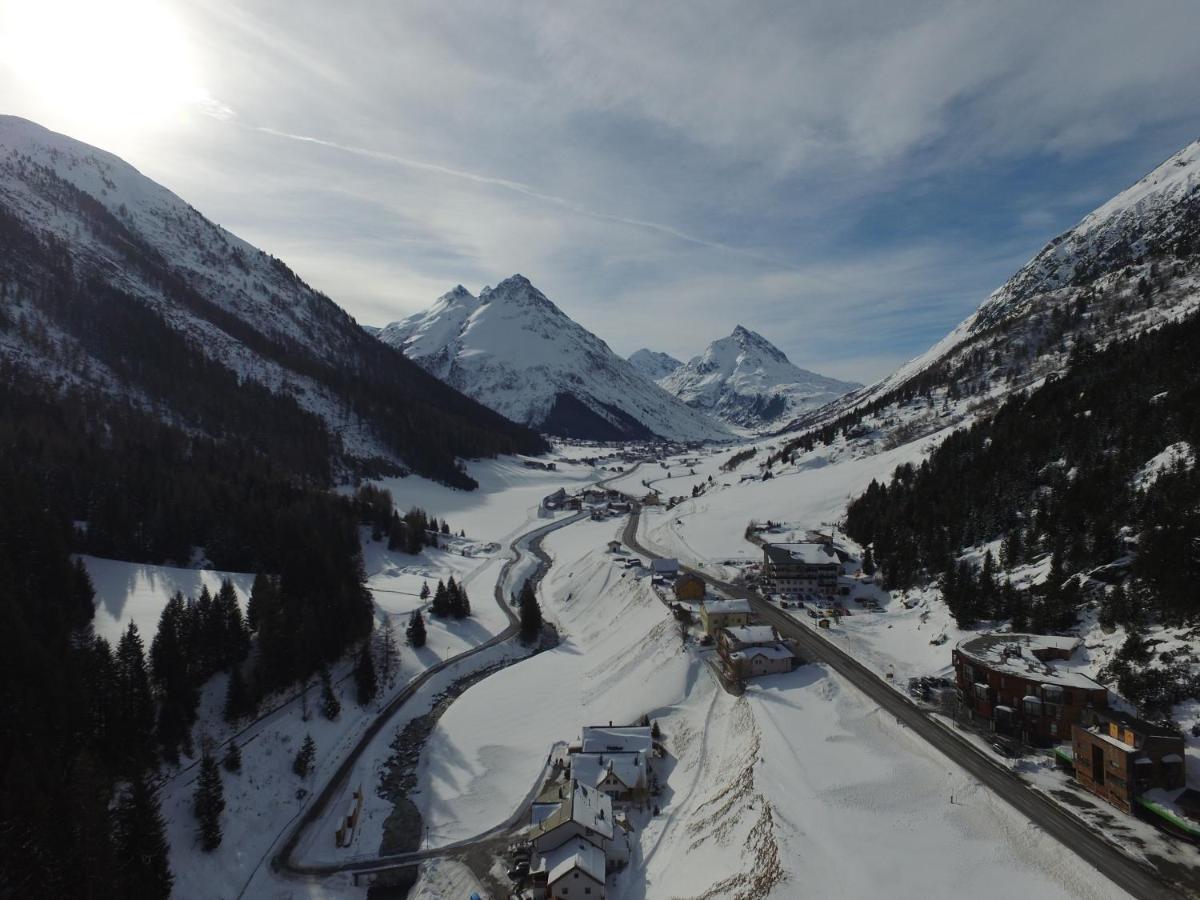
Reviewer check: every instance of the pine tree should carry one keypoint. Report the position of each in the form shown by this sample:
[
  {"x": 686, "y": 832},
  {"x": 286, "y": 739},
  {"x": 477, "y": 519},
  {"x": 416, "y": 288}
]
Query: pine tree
[
  {"x": 208, "y": 803},
  {"x": 264, "y": 598},
  {"x": 331, "y": 707},
  {"x": 236, "y": 634},
  {"x": 140, "y": 847},
  {"x": 416, "y": 629},
  {"x": 365, "y": 682},
  {"x": 531, "y": 614},
  {"x": 424, "y": 591},
  {"x": 389, "y": 653},
  {"x": 453, "y": 598},
  {"x": 868, "y": 562},
  {"x": 233, "y": 758},
  {"x": 136, "y": 712},
  {"x": 440, "y": 606},
  {"x": 460, "y": 604},
  {"x": 237, "y": 697},
  {"x": 303, "y": 763}
]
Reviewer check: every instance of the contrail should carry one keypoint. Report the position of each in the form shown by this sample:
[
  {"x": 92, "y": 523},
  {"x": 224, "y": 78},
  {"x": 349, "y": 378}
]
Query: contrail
[{"x": 528, "y": 191}]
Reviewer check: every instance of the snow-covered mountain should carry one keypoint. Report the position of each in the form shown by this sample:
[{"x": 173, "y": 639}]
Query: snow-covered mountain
[
  {"x": 102, "y": 271},
  {"x": 654, "y": 365},
  {"x": 747, "y": 381},
  {"x": 1130, "y": 265},
  {"x": 513, "y": 350}
]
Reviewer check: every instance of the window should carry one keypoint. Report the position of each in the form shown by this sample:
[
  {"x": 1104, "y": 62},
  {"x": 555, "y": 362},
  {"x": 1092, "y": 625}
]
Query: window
[{"x": 1054, "y": 728}]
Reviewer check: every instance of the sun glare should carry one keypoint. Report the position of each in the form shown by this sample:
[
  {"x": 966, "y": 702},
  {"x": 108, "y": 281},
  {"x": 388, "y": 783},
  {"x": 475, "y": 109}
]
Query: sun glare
[{"x": 125, "y": 63}]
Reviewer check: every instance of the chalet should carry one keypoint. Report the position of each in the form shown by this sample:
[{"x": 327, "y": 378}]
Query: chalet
[
  {"x": 651, "y": 499},
  {"x": 718, "y": 614},
  {"x": 1119, "y": 757},
  {"x": 570, "y": 812},
  {"x": 747, "y": 651},
  {"x": 614, "y": 546},
  {"x": 808, "y": 567},
  {"x": 577, "y": 868},
  {"x": 1013, "y": 684},
  {"x": 689, "y": 587},
  {"x": 623, "y": 775}
]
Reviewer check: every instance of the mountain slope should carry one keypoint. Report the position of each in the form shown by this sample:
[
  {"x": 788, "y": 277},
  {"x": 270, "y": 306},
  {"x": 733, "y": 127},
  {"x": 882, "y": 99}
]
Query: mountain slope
[
  {"x": 1131, "y": 265},
  {"x": 95, "y": 251},
  {"x": 654, "y": 365},
  {"x": 513, "y": 350},
  {"x": 746, "y": 381}
]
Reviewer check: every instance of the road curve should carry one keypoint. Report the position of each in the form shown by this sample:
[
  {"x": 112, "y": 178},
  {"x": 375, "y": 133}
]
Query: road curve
[
  {"x": 1124, "y": 871},
  {"x": 282, "y": 860}
]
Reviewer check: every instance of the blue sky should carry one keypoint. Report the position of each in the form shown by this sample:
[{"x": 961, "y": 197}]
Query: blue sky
[{"x": 850, "y": 179}]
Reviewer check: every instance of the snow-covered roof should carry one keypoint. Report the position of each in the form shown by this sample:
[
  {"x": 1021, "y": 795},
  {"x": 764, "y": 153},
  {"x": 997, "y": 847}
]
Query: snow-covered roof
[
  {"x": 664, "y": 565},
  {"x": 593, "y": 768},
  {"x": 574, "y": 854},
  {"x": 725, "y": 606},
  {"x": 1017, "y": 654},
  {"x": 807, "y": 552},
  {"x": 585, "y": 806},
  {"x": 771, "y": 651},
  {"x": 616, "y": 738},
  {"x": 752, "y": 634}
]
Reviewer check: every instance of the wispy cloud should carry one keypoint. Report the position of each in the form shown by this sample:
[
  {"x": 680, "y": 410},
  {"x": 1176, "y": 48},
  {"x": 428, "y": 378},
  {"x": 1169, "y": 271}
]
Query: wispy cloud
[{"x": 535, "y": 194}]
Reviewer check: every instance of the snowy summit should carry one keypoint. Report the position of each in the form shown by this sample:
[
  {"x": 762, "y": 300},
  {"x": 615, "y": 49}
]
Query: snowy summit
[
  {"x": 513, "y": 350},
  {"x": 747, "y": 381}
]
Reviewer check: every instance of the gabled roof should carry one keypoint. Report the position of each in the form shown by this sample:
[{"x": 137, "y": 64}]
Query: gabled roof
[
  {"x": 615, "y": 738},
  {"x": 725, "y": 606},
  {"x": 585, "y": 806},
  {"x": 751, "y": 634},
  {"x": 592, "y": 768},
  {"x": 771, "y": 651},
  {"x": 664, "y": 565},
  {"x": 574, "y": 854}
]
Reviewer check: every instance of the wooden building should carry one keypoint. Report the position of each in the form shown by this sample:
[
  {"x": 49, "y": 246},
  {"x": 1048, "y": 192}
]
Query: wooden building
[
  {"x": 689, "y": 587},
  {"x": 1118, "y": 757}
]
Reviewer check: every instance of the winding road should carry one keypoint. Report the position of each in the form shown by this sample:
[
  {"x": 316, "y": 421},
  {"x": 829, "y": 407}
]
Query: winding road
[
  {"x": 1137, "y": 879},
  {"x": 283, "y": 860}
]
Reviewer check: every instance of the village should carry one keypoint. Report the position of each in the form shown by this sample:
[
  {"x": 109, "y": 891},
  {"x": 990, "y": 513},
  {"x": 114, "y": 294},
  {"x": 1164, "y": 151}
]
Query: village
[{"x": 598, "y": 793}]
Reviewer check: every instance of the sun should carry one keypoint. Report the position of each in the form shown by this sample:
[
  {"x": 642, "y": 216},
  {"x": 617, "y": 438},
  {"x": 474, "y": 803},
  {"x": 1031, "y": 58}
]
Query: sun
[{"x": 126, "y": 63}]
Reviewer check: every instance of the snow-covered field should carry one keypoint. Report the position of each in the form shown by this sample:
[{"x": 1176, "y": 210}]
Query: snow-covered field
[
  {"x": 619, "y": 658},
  {"x": 133, "y": 592},
  {"x": 800, "y": 787}
]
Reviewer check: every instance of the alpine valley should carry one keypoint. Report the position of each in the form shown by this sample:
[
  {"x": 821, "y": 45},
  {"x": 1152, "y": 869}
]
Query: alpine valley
[{"x": 469, "y": 605}]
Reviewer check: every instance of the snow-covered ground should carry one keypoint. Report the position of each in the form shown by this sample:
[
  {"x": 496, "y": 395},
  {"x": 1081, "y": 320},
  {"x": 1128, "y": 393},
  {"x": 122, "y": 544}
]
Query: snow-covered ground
[
  {"x": 619, "y": 658},
  {"x": 263, "y": 799},
  {"x": 133, "y": 592},
  {"x": 800, "y": 786}
]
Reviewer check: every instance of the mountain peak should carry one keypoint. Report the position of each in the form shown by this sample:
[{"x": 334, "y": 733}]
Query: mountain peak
[
  {"x": 653, "y": 364},
  {"x": 747, "y": 381},
  {"x": 518, "y": 353}
]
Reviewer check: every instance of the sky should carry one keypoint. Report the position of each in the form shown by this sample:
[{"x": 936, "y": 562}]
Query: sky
[{"x": 849, "y": 179}]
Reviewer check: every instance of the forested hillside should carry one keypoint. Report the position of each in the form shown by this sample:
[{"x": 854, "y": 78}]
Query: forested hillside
[{"x": 1095, "y": 470}]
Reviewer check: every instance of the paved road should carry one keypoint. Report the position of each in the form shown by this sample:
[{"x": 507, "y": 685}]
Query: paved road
[
  {"x": 283, "y": 861},
  {"x": 1135, "y": 878}
]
